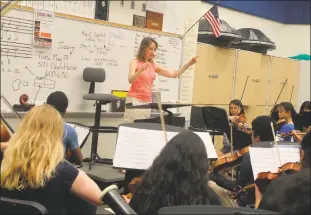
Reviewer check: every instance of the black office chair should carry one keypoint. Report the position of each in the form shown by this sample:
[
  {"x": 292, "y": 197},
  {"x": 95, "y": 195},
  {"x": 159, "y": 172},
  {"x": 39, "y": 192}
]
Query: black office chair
[
  {"x": 210, "y": 209},
  {"x": 98, "y": 75},
  {"x": 14, "y": 206}
]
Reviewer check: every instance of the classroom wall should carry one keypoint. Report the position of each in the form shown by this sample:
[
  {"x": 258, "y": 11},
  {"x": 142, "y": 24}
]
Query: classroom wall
[
  {"x": 124, "y": 14},
  {"x": 290, "y": 40},
  {"x": 304, "y": 83}
]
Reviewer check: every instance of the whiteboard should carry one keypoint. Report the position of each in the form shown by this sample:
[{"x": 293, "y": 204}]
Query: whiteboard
[{"x": 76, "y": 45}]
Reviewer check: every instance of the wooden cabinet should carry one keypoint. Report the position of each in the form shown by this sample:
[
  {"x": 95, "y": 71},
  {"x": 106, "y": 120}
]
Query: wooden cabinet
[
  {"x": 281, "y": 70},
  {"x": 251, "y": 112},
  {"x": 213, "y": 76},
  {"x": 215, "y": 84},
  {"x": 256, "y": 67}
]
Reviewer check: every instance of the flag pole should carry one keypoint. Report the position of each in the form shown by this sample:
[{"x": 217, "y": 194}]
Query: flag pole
[
  {"x": 195, "y": 23},
  {"x": 199, "y": 19}
]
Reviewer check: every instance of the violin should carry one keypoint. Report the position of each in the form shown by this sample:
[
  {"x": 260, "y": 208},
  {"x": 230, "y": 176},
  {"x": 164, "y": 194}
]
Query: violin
[
  {"x": 5, "y": 135},
  {"x": 291, "y": 134},
  {"x": 244, "y": 126},
  {"x": 229, "y": 161},
  {"x": 264, "y": 178}
]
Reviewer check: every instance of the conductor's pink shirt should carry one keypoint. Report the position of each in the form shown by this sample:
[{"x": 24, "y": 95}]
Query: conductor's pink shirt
[{"x": 141, "y": 88}]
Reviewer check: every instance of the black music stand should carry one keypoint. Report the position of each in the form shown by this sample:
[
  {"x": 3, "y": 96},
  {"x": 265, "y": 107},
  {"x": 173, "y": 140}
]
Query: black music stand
[
  {"x": 216, "y": 119},
  {"x": 241, "y": 139},
  {"x": 209, "y": 118}
]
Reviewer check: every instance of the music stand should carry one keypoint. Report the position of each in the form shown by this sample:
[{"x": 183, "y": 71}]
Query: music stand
[
  {"x": 241, "y": 139},
  {"x": 215, "y": 119}
]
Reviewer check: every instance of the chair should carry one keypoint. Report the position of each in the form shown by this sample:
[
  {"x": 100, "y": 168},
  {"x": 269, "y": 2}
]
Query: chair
[
  {"x": 14, "y": 206},
  {"x": 210, "y": 209},
  {"x": 98, "y": 75}
]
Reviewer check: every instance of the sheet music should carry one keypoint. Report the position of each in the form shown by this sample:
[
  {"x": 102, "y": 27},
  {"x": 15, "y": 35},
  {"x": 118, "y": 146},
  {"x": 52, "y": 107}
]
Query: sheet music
[
  {"x": 81, "y": 132},
  {"x": 287, "y": 154},
  {"x": 210, "y": 149},
  {"x": 137, "y": 148},
  {"x": 262, "y": 160},
  {"x": 266, "y": 159}
]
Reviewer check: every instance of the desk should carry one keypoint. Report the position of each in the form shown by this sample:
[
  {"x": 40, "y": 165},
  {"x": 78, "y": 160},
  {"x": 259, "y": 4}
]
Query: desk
[
  {"x": 103, "y": 173},
  {"x": 165, "y": 107}
]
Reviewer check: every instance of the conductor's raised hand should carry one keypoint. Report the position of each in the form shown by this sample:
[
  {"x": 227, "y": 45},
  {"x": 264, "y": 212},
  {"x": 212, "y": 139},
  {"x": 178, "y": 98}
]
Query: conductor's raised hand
[
  {"x": 192, "y": 61},
  {"x": 144, "y": 66}
]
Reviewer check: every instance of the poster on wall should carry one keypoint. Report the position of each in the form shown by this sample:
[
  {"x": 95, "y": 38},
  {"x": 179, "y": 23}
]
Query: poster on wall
[{"x": 43, "y": 23}]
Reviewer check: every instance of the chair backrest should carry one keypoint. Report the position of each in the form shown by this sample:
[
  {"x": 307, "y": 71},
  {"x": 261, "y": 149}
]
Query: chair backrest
[
  {"x": 93, "y": 75},
  {"x": 14, "y": 206},
  {"x": 210, "y": 209}
]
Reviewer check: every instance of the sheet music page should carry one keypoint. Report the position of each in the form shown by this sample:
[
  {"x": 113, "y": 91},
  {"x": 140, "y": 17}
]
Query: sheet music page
[
  {"x": 137, "y": 148},
  {"x": 287, "y": 154},
  {"x": 81, "y": 132},
  {"x": 210, "y": 149},
  {"x": 263, "y": 160}
]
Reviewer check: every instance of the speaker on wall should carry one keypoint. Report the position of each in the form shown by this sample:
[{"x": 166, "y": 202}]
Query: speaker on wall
[{"x": 102, "y": 9}]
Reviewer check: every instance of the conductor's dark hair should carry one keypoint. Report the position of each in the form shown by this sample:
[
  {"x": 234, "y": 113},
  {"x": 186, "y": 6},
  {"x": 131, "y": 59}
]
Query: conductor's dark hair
[
  {"x": 237, "y": 102},
  {"x": 178, "y": 176},
  {"x": 261, "y": 126},
  {"x": 289, "y": 194},
  {"x": 59, "y": 101},
  {"x": 305, "y": 146},
  {"x": 305, "y": 105}
]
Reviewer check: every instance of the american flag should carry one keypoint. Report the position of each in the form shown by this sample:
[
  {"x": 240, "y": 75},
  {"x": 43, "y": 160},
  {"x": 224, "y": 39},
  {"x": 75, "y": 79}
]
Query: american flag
[{"x": 212, "y": 17}]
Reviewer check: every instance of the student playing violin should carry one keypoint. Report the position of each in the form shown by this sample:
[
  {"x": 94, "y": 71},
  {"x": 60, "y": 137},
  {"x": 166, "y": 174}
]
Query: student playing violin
[
  {"x": 238, "y": 119},
  {"x": 288, "y": 113},
  {"x": 237, "y": 115},
  {"x": 261, "y": 127}
]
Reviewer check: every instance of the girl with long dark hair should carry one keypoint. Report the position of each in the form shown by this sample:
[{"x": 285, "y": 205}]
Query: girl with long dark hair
[
  {"x": 178, "y": 176},
  {"x": 288, "y": 113}
]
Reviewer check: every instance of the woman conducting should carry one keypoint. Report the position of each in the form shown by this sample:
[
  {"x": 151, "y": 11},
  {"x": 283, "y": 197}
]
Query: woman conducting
[{"x": 142, "y": 74}]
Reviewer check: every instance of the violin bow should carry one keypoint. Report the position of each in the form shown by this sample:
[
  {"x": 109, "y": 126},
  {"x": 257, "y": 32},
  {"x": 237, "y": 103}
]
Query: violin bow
[
  {"x": 291, "y": 94},
  {"x": 231, "y": 146},
  {"x": 161, "y": 115},
  {"x": 278, "y": 96},
  {"x": 276, "y": 143},
  {"x": 11, "y": 107},
  {"x": 244, "y": 89}
]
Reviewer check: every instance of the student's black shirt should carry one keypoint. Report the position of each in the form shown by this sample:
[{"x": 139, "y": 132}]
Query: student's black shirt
[{"x": 53, "y": 196}]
